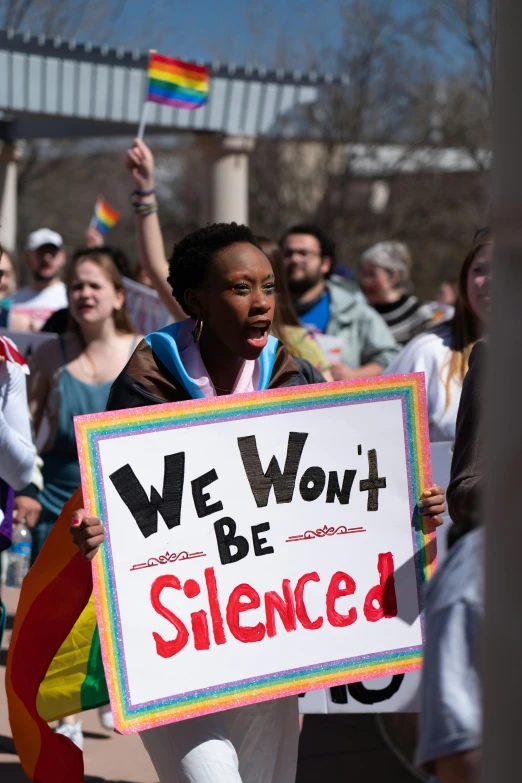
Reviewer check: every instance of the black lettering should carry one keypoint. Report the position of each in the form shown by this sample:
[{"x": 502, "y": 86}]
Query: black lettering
[
  {"x": 201, "y": 498},
  {"x": 317, "y": 478},
  {"x": 259, "y": 548},
  {"x": 146, "y": 511},
  {"x": 261, "y": 483},
  {"x": 365, "y": 695},
  {"x": 333, "y": 491},
  {"x": 339, "y": 694},
  {"x": 226, "y": 541},
  {"x": 373, "y": 483}
]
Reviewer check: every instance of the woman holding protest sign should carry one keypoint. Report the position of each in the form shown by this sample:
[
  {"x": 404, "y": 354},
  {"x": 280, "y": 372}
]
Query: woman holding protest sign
[
  {"x": 223, "y": 279},
  {"x": 443, "y": 353}
]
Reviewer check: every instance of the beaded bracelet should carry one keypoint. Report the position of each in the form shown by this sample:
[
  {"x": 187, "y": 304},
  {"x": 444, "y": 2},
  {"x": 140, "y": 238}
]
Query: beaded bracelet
[
  {"x": 143, "y": 192},
  {"x": 137, "y": 200}
]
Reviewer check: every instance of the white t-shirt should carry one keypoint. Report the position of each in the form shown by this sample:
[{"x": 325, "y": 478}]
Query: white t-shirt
[
  {"x": 17, "y": 453},
  {"x": 39, "y": 305},
  {"x": 430, "y": 353}
]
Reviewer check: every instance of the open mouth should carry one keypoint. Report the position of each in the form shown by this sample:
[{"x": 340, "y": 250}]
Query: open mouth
[{"x": 257, "y": 335}]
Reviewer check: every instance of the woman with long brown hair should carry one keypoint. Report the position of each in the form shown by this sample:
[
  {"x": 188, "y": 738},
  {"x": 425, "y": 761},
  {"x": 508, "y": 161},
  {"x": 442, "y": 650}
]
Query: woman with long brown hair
[
  {"x": 443, "y": 353},
  {"x": 73, "y": 375}
]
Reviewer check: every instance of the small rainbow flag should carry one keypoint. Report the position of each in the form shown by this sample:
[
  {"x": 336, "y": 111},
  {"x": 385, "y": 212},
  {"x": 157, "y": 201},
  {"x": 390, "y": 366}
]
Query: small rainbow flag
[
  {"x": 176, "y": 83},
  {"x": 104, "y": 217}
]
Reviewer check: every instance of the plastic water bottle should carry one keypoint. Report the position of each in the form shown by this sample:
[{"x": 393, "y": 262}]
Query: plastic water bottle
[{"x": 18, "y": 555}]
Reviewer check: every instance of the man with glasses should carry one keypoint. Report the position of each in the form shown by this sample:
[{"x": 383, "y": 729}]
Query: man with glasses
[{"x": 335, "y": 306}]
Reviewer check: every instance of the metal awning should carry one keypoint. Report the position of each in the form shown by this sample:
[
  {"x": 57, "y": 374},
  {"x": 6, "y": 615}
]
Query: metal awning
[{"x": 101, "y": 90}]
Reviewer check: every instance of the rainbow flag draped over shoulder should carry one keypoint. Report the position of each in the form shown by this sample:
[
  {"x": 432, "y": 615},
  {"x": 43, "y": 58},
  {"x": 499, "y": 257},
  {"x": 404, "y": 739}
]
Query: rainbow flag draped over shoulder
[
  {"x": 54, "y": 665},
  {"x": 176, "y": 83},
  {"x": 104, "y": 217}
]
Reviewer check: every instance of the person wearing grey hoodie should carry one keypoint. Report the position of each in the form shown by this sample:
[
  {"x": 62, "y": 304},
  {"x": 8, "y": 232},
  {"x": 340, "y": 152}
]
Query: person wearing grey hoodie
[{"x": 335, "y": 306}]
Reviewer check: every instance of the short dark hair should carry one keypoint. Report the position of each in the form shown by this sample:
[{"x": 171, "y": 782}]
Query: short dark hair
[
  {"x": 325, "y": 243},
  {"x": 193, "y": 255}
]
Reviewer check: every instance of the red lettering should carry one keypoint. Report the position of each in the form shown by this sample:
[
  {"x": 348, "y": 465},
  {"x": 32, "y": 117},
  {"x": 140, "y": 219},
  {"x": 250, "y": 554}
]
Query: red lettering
[
  {"x": 335, "y": 591},
  {"x": 191, "y": 588},
  {"x": 200, "y": 630},
  {"x": 215, "y": 609},
  {"x": 163, "y": 648},
  {"x": 234, "y": 606},
  {"x": 383, "y": 593},
  {"x": 283, "y": 606},
  {"x": 300, "y": 608}
]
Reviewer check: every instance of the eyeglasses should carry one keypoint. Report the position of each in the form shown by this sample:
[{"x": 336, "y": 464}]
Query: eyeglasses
[{"x": 289, "y": 252}]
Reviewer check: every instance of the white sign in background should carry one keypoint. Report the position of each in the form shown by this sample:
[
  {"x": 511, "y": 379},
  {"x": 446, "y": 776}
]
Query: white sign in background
[
  {"x": 334, "y": 435},
  {"x": 147, "y": 311},
  {"x": 399, "y": 693}
]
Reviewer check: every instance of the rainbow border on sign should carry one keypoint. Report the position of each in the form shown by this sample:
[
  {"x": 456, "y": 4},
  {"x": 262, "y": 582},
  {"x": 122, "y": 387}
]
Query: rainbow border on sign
[{"x": 92, "y": 428}]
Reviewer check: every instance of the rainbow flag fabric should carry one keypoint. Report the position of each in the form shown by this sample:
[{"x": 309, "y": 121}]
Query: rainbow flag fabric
[
  {"x": 176, "y": 83},
  {"x": 104, "y": 217},
  {"x": 54, "y": 665}
]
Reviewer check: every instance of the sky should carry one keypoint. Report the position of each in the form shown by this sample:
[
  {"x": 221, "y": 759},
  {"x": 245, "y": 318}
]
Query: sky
[
  {"x": 268, "y": 32},
  {"x": 274, "y": 33}
]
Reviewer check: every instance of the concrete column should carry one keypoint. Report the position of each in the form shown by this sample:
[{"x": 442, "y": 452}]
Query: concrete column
[
  {"x": 9, "y": 157},
  {"x": 503, "y": 452},
  {"x": 226, "y": 196}
]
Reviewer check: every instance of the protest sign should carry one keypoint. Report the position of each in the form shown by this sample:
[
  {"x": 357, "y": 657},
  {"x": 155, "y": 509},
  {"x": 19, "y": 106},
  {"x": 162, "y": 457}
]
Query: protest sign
[
  {"x": 28, "y": 342},
  {"x": 400, "y": 692},
  {"x": 257, "y": 545},
  {"x": 332, "y": 346},
  {"x": 147, "y": 311}
]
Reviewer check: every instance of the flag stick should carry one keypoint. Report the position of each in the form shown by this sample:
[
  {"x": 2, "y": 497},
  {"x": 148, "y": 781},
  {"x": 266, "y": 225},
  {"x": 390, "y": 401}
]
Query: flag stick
[
  {"x": 143, "y": 119},
  {"x": 145, "y": 109}
]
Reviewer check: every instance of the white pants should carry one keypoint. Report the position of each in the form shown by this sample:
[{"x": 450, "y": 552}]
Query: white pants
[{"x": 254, "y": 744}]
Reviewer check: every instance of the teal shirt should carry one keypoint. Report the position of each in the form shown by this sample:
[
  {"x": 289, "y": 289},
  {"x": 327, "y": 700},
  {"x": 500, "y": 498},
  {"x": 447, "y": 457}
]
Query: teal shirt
[{"x": 61, "y": 470}]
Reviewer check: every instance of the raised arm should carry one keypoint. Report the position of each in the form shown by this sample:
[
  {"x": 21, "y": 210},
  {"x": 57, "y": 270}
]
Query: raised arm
[{"x": 140, "y": 164}]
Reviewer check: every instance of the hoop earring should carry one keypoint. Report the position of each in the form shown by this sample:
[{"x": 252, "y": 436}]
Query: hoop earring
[{"x": 196, "y": 332}]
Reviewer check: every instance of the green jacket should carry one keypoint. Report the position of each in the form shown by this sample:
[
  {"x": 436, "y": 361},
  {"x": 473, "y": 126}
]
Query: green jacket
[{"x": 365, "y": 335}]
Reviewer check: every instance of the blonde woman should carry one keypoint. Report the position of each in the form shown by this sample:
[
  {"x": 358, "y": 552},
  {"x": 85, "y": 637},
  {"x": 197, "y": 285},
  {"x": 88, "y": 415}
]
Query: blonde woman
[{"x": 443, "y": 354}]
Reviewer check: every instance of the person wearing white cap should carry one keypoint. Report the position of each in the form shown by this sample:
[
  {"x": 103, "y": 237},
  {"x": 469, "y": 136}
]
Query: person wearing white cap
[{"x": 46, "y": 293}]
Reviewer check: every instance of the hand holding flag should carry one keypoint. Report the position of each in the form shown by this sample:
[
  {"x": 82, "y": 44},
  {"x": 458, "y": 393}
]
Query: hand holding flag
[
  {"x": 174, "y": 83},
  {"x": 104, "y": 217}
]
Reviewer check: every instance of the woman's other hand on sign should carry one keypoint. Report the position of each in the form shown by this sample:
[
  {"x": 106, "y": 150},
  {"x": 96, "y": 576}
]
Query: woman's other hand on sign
[
  {"x": 432, "y": 504},
  {"x": 87, "y": 533},
  {"x": 140, "y": 164}
]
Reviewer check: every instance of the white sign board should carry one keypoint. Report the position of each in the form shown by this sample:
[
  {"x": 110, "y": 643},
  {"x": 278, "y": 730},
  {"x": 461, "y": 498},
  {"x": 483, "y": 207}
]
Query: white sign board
[
  {"x": 257, "y": 545},
  {"x": 399, "y": 693}
]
